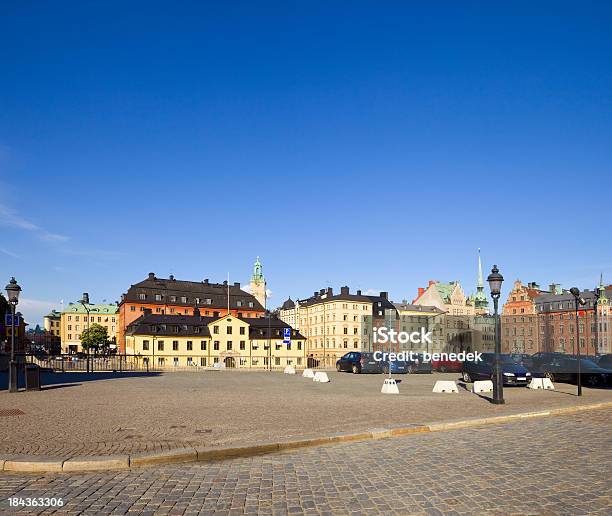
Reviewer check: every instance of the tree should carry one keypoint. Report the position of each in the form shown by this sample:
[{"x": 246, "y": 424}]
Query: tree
[
  {"x": 5, "y": 308},
  {"x": 96, "y": 337}
]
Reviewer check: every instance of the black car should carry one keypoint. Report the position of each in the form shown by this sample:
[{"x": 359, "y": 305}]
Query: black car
[
  {"x": 420, "y": 365},
  {"x": 537, "y": 359},
  {"x": 605, "y": 361},
  {"x": 565, "y": 369},
  {"x": 358, "y": 362},
  {"x": 513, "y": 373}
]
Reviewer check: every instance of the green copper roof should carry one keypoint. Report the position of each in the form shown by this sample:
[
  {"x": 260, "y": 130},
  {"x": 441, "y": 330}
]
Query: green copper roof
[
  {"x": 445, "y": 290},
  {"x": 78, "y": 308},
  {"x": 257, "y": 272}
]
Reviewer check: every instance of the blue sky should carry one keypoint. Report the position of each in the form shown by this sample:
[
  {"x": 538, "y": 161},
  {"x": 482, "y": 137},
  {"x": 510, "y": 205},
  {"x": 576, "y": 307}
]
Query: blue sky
[{"x": 377, "y": 145}]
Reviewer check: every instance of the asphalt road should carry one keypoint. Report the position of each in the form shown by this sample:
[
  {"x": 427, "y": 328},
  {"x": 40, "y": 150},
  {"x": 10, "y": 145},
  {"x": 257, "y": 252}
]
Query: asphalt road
[{"x": 549, "y": 465}]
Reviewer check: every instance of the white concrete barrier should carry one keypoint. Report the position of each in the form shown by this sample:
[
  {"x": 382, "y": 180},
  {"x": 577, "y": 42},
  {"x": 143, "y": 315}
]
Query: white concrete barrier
[
  {"x": 482, "y": 386},
  {"x": 219, "y": 365},
  {"x": 308, "y": 373},
  {"x": 389, "y": 387},
  {"x": 320, "y": 376},
  {"x": 445, "y": 386},
  {"x": 541, "y": 383},
  {"x": 289, "y": 370}
]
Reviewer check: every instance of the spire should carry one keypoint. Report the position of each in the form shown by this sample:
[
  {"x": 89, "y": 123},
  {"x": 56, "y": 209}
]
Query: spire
[
  {"x": 602, "y": 290},
  {"x": 257, "y": 276},
  {"x": 480, "y": 281}
]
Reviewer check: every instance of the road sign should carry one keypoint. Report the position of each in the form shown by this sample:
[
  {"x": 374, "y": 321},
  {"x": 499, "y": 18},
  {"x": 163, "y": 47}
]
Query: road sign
[
  {"x": 8, "y": 320},
  {"x": 286, "y": 335}
]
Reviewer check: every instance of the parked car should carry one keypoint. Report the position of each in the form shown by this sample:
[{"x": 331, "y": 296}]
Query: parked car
[
  {"x": 565, "y": 369},
  {"x": 395, "y": 366},
  {"x": 513, "y": 373},
  {"x": 537, "y": 359},
  {"x": 358, "y": 362},
  {"x": 605, "y": 361},
  {"x": 420, "y": 365},
  {"x": 447, "y": 366}
]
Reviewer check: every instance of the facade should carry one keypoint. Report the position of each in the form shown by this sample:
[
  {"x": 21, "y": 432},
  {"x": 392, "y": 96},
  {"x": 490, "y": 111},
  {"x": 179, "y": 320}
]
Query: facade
[
  {"x": 447, "y": 297},
  {"x": 75, "y": 318},
  {"x": 171, "y": 341},
  {"x": 557, "y": 322},
  {"x": 289, "y": 312},
  {"x": 336, "y": 324},
  {"x": 414, "y": 317},
  {"x": 519, "y": 319},
  {"x": 52, "y": 322},
  {"x": 177, "y": 297}
]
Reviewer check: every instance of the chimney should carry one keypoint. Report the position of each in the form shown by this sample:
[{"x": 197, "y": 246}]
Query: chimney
[
  {"x": 344, "y": 291},
  {"x": 384, "y": 295},
  {"x": 151, "y": 275},
  {"x": 225, "y": 283},
  {"x": 205, "y": 281},
  {"x": 421, "y": 292},
  {"x": 316, "y": 294},
  {"x": 237, "y": 284},
  {"x": 330, "y": 291},
  {"x": 431, "y": 282},
  {"x": 359, "y": 292},
  {"x": 322, "y": 291}
]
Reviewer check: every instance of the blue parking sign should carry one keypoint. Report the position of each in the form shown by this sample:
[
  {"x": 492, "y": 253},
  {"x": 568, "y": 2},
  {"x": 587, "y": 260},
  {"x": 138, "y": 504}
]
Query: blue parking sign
[{"x": 286, "y": 335}]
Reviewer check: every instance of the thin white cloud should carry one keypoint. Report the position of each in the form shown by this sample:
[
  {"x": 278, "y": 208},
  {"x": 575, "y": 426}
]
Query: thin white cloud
[
  {"x": 8, "y": 253},
  {"x": 34, "y": 310},
  {"x": 9, "y": 217}
]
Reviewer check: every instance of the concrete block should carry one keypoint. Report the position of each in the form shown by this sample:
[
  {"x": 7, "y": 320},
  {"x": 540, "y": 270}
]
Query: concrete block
[
  {"x": 321, "y": 376},
  {"x": 97, "y": 463},
  {"x": 380, "y": 433},
  {"x": 482, "y": 386},
  {"x": 289, "y": 370},
  {"x": 445, "y": 386},
  {"x": 34, "y": 464},
  {"x": 389, "y": 386},
  {"x": 541, "y": 383},
  {"x": 164, "y": 457},
  {"x": 308, "y": 373}
]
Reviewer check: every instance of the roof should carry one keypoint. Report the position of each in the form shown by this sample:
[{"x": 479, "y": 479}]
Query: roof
[
  {"x": 53, "y": 314},
  {"x": 198, "y": 326},
  {"x": 418, "y": 308},
  {"x": 171, "y": 288},
  {"x": 92, "y": 308},
  {"x": 445, "y": 290},
  {"x": 288, "y": 305}
]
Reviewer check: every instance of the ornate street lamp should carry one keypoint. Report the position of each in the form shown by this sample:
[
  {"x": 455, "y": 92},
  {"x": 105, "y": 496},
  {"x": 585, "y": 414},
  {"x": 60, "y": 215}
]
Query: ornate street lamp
[
  {"x": 598, "y": 293},
  {"x": 579, "y": 301},
  {"x": 12, "y": 294},
  {"x": 85, "y": 303},
  {"x": 495, "y": 280}
]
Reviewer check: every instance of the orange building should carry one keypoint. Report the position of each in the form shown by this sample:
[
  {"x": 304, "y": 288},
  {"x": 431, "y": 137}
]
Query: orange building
[
  {"x": 172, "y": 296},
  {"x": 519, "y": 320}
]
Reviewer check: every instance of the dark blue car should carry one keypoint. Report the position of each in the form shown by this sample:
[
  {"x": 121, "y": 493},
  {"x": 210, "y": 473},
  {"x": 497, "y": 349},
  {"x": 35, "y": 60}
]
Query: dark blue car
[
  {"x": 358, "y": 362},
  {"x": 513, "y": 373},
  {"x": 395, "y": 366}
]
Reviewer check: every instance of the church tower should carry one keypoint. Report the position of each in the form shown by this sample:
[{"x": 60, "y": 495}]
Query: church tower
[
  {"x": 258, "y": 283},
  {"x": 481, "y": 303}
]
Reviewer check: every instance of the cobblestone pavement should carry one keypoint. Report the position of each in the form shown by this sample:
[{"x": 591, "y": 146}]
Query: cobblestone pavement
[
  {"x": 132, "y": 414},
  {"x": 550, "y": 465}
]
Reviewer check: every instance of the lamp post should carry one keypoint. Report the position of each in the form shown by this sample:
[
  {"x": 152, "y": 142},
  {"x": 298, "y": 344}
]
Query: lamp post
[
  {"x": 12, "y": 294},
  {"x": 85, "y": 303},
  {"x": 578, "y": 301},
  {"x": 495, "y": 280},
  {"x": 597, "y": 292}
]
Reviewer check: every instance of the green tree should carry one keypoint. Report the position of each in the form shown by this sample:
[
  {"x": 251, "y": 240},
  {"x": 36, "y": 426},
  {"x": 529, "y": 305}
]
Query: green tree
[
  {"x": 96, "y": 337},
  {"x": 5, "y": 308}
]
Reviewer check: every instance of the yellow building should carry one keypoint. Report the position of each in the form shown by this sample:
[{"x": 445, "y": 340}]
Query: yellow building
[
  {"x": 169, "y": 341},
  {"x": 336, "y": 324},
  {"x": 52, "y": 323},
  {"x": 77, "y": 317}
]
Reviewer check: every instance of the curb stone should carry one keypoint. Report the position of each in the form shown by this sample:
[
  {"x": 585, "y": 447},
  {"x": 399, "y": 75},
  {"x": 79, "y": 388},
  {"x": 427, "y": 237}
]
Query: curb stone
[{"x": 40, "y": 464}]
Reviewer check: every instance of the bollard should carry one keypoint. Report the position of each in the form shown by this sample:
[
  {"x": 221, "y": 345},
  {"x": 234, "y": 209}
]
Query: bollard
[
  {"x": 446, "y": 386},
  {"x": 389, "y": 386},
  {"x": 321, "y": 376},
  {"x": 289, "y": 370},
  {"x": 541, "y": 383},
  {"x": 482, "y": 386},
  {"x": 308, "y": 373}
]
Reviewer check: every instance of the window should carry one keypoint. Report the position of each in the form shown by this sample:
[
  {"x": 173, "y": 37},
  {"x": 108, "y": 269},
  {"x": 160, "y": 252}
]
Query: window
[
  {"x": 242, "y": 330},
  {"x": 160, "y": 362},
  {"x": 229, "y": 345},
  {"x": 158, "y": 297},
  {"x": 145, "y": 345},
  {"x": 203, "y": 345},
  {"x": 299, "y": 346},
  {"x": 142, "y": 297},
  {"x": 215, "y": 330},
  {"x": 239, "y": 303},
  {"x": 203, "y": 361},
  {"x": 175, "y": 361},
  {"x": 189, "y": 345},
  {"x": 242, "y": 345},
  {"x": 277, "y": 361},
  {"x": 229, "y": 330},
  {"x": 183, "y": 299},
  {"x": 160, "y": 345},
  {"x": 216, "y": 345},
  {"x": 173, "y": 299}
]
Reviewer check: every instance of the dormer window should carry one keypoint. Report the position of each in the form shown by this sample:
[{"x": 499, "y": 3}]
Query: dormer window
[
  {"x": 251, "y": 305},
  {"x": 183, "y": 299},
  {"x": 173, "y": 299},
  {"x": 142, "y": 297},
  {"x": 238, "y": 303},
  {"x": 158, "y": 297}
]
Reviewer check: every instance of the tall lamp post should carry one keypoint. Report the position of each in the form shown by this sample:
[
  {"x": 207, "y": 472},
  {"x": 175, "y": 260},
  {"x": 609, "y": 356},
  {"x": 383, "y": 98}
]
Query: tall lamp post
[
  {"x": 495, "y": 280},
  {"x": 85, "y": 303},
  {"x": 597, "y": 292},
  {"x": 12, "y": 294},
  {"x": 578, "y": 301}
]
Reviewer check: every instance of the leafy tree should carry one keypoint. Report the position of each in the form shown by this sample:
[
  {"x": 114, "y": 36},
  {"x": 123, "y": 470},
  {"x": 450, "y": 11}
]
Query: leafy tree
[
  {"x": 5, "y": 308},
  {"x": 96, "y": 337}
]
